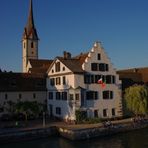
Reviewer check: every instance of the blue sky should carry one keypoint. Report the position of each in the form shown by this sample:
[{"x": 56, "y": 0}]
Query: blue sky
[{"x": 74, "y": 25}]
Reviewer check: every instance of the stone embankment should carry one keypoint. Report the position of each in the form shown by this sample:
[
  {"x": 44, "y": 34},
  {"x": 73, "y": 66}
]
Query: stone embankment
[
  {"x": 88, "y": 133},
  {"x": 16, "y": 135},
  {"x": 72, "y": 132}
]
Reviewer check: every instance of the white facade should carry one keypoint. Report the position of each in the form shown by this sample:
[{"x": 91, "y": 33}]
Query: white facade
[
  {"x": 30, "y": 51},
  {"x": 15, "y": 96},
  {"x": 82, "y": 90}
]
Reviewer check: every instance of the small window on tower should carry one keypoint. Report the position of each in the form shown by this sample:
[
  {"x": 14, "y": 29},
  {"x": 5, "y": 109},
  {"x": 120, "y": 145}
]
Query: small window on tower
[
  {"x": 24, "y": 45},
  {"x": 32, "y": 44}
]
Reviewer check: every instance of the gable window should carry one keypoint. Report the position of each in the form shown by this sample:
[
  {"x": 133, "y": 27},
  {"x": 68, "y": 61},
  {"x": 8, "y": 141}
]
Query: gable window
[
  {"x": 103, "y": 67},
  {"x": 92, "y": 79},
  {"x": 63, "y": 68},
  {"x": 94, "y": 66},
  {"x": 58, "y": 110},
  {"x": 108, "y": 79},
  {"x": 57, "y": 67},
  {"x": 32, "y": 45},
  {"x": 99, "y": 56},
  {"x": 58, "y": 81},
  {"x": 97, "y": 77},
  {"x": 50, "y": 95}
]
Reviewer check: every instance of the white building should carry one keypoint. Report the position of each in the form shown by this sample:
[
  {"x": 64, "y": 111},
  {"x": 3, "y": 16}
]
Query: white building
[{"x": 72, "y": 84}]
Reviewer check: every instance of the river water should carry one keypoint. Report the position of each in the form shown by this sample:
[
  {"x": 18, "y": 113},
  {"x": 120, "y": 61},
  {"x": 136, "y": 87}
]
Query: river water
[{"x": 135, "y": 139}]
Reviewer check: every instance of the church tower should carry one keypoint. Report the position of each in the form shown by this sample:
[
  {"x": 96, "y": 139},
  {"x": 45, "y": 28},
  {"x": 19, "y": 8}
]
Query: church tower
[{"x": 30, "y": 40}]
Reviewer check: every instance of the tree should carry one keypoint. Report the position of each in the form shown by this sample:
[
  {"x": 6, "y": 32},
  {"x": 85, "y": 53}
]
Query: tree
[
  {"x": 28, "y": 107},
  {"x": 136, "y": 99}
]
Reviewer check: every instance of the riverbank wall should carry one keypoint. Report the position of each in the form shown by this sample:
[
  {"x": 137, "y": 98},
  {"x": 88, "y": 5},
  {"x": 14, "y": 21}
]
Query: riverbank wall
[
  {"x": 89, "y": 133},
  {"x": 17, "y": 135},
  {"x": 71, "y": 133}
]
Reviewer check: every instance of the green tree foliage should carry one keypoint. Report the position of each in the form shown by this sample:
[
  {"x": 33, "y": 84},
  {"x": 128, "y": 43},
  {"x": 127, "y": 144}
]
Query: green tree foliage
[
  {"x": 136, "y": 99},
  {"x": 28, "y": 107}
]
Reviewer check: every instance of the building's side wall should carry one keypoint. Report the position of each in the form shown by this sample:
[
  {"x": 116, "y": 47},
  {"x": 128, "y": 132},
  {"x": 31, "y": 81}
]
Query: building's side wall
[{"x": 5, "y": 97}]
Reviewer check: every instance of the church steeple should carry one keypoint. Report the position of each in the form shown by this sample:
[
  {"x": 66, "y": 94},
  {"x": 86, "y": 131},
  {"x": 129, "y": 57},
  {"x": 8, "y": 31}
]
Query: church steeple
[
  {"x": 30, "y": 40},
  {"x": 30, "y": 30}
]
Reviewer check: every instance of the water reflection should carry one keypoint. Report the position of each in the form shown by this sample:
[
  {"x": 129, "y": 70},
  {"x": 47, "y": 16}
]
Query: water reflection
[{"x": 136, "y": 139}]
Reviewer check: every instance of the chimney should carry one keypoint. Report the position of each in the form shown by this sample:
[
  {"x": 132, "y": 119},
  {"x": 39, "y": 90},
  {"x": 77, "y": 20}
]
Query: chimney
[{"x": 67, "y": 55}]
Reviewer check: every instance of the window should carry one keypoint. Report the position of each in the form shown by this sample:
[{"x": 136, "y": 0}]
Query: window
[
  {"x": 50, "y": 95},
  {"x": 64, "y": 80},
  {"x": 58, "y": 96},
  {"x": 104, "y": 112},
  {"x": 96, "y": 113},
  {"x": 1, "y": 109},
  {"x": 77, "y": 97},
  {"x": 107, "y": 94},
  {"x": 106, "y": 67},
  {"x": 6, "y": 96},
  {"x": 34, "y": 95},
  {"x": 103, "y": 67},
  {"x": 57, "y": 67},
  {"x": 71, "y": 97},
  {"x": 92, "y": 79},
  {"x": 20, "y": 96},
  {"x": 64, "y": 95},
  {"x": 91, "y": 95},
  {"x": 58, "y": 110},
  {"x": 108, "y": 79},
  {"x": 94, "y": 66},
  {"x": 113, "y": 79},
  {"x": 63, "y": 68},
  {"x": 52, "y": 81},
  {"x": 99, "y": 56},
  {"x": 58, "y": 81},
  {"x": 113, "y": 112},
  {"x": 24, "y": 45},
  {"x": 97, "y": 77},
  {"x": 32, "y": 45},
  {"x": 87, "y": 79}
]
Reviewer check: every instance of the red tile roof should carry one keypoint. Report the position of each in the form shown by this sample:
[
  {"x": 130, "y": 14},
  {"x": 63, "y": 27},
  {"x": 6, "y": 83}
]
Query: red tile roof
[{"x": 39, "y": 65}]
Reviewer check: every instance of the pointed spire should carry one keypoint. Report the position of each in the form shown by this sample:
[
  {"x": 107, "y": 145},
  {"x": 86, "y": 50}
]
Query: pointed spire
[
  {"x": 30, "y": 30},
  {"x": 30, "y": 23}
]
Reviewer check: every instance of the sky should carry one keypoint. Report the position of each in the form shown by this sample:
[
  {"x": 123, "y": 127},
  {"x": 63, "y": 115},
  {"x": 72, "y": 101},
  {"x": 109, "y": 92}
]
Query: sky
[{"x": 74, "y": 26}]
